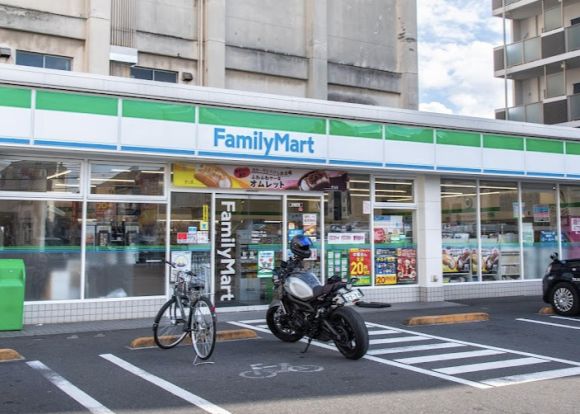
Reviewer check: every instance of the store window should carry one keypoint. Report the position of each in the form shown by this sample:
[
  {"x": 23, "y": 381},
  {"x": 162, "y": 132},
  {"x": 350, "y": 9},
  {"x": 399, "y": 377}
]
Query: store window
[
  {"x": 46, "y": 234},
  {"x": 459, "y": 230},
  {"x": 348, "y": 245},
  {"x": 570, "y": 220},
  {"x": 395, "y": 247},
  {"x": 539, "y": 227},
  {"x": 125, "y": 245},
  {"x": 45, "y": 176},
  {"x": 190, "y": 241},
  {"x": 500, "y": 247},
  {"x": 153, "y": 74},
  {"x": 41, "y": 60},
  {"x": 127, "y": 179},
  {"x": 393, "y": 191}
]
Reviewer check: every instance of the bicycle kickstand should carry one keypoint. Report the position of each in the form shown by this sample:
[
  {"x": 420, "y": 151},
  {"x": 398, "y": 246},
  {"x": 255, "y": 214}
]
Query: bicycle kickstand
[
  {"x": 201, "y": 362},
  {"x": 307, "y": 346}
]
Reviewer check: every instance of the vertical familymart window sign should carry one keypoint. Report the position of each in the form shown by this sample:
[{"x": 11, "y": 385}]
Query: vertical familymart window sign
[{"x": 248, "y": 134}]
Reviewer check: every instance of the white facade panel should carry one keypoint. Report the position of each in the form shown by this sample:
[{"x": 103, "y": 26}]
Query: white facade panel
[
  {"x": 542, "y": 162},
  {"x": 154, "y": 133},
  {"x": 455, "y": 156},
  {"x": 75, "y": 127},
  {"x": 409, "y": 153},
  {"x": 15, "y": 122},
  {"x": 503, "y": 160},
  {"x": 357, "y": 149}
]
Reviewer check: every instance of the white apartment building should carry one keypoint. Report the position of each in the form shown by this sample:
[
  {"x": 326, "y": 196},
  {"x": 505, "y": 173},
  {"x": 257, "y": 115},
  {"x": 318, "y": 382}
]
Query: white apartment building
[{"x": 542, "y": 59}]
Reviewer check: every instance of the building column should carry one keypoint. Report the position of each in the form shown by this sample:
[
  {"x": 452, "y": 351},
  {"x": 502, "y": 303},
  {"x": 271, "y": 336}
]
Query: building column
[
  {"x": 98, "y": 37},
  {"x": 407, "y": 56},
  {"x": 317, "y": 48},
  {"x": 214, "y": 44},
  {"x": 429, "y": 243}
]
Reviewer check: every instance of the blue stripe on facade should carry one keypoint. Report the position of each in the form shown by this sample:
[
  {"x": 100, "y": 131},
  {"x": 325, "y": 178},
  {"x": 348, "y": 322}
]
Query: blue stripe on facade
[
  {"x": 504, "y": 172},
  {"x": 411, "y": 166},
  {"x": 14, "y": 141},
  {"x": 459, "y": 169},
  {"x": 157, "y": 150},
  {"x": 345, "y": 162},
  {"x": 260, "y": 157},
  {"x": 572, "y": 175},
  {"x": 74, "y": 144},
  {"x": 544, "y": 174}
]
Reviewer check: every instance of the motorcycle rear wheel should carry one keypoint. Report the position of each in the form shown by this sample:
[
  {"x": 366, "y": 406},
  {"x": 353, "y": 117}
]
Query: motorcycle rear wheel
[
  {"x": 353, "y": 341},
  {"x": 279, "y": 328}
]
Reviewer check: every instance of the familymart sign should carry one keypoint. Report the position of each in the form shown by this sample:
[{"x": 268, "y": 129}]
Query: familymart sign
[{"x": 231, "y": 133}]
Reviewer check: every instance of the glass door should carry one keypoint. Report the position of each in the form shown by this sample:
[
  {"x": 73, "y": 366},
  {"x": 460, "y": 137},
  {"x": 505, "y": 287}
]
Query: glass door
[
  {"x": 304, "y": 217},
  {"x": 248, "y": 244}
]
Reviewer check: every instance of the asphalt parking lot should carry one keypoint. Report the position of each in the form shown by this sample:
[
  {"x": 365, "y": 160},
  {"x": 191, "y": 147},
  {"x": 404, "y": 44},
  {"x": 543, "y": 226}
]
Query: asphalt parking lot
[{"x": 517, "y": 361}]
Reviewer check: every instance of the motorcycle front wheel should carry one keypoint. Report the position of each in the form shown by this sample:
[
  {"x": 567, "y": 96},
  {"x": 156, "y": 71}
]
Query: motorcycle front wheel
[
  {"x": 276, "y": 321},
  {"x": 353, "y": 336}
]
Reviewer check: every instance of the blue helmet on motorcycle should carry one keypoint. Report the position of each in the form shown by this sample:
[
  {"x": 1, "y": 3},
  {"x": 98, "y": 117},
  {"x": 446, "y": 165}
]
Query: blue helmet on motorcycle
[{"x": 300, "y": 246}]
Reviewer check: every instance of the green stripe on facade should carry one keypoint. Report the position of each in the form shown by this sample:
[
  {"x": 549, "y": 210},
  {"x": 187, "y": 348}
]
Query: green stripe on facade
[
  {"x": 261, "y": 120},
  {"x": 503, "y": 142},
  {"x": 356, "y": 129},
  {"x": 544, "y": 145},
  {"x": 409, "y": 134},
  {"x": 69, "y": 102},
  {"x": 464, "y": 139},
  {"x": 14, "y": 97},
  {"x": 573, "y": 148},
  {"x": 158, "y": 110}
]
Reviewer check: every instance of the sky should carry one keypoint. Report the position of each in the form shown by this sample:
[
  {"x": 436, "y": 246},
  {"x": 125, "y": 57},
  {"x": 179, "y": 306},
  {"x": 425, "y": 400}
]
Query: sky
[{"x": 456, "y": 42}]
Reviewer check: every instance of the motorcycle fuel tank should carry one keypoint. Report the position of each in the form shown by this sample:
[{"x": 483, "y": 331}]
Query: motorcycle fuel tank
[{"x": 301, "y": 285}]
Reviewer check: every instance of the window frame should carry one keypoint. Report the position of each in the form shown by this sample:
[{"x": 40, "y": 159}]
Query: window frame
[{"x": 67, "y": 59}]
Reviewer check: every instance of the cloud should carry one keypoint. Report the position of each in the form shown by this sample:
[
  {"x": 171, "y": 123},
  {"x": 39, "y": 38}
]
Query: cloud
[
  {"x": 456, "y": 42},
  {"x": 435, "y": 107}
]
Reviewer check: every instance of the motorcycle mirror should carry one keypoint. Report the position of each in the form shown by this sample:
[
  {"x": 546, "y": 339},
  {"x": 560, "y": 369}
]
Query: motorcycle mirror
[
  {"x": 353, "y": 280},
  {"x": 554, "y": 256}
]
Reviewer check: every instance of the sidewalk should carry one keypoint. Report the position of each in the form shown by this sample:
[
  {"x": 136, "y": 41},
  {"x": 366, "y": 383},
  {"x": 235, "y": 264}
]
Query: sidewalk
[{"x": 223, "y": 316}]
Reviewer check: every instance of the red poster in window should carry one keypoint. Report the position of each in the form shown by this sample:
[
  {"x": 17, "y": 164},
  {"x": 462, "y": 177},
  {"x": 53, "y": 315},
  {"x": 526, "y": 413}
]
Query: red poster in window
[{"x": 406, "y": 265}]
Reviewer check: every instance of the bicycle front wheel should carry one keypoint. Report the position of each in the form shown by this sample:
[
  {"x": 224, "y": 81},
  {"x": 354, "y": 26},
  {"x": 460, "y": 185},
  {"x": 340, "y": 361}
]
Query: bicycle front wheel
[
  {"x": 170, "y": 325},
  {"x": 203, "y": 328}
]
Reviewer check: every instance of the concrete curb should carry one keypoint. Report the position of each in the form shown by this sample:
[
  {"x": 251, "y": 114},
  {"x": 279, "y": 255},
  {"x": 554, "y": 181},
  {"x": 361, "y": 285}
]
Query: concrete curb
[
  {"x": 9, "y": 355},
  {"x": 447, "y": 319},
  {"x": 546, "y": 310},
  {"x": 228, "y": 335}
]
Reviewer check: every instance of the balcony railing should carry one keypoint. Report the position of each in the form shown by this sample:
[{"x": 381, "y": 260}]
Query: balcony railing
[
  {"x": 564, "y": 110},
  {"x": 496, "y": 4},
  {"x": 536, "y": 48}
]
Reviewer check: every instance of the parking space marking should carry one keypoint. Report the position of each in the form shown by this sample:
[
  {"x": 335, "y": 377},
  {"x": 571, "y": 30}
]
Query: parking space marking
[
  {"x": 453, "y": 372},
  {"x": 382, "y": 332},
  {"x": 566, "y": 318},
  {"x": 559, "y": 325},
  {"x": 166, "y": 385},
  {"x": 447, "y": 357},
  {"x": 71, "y": 390},
  {"x": 484, "y": 366}
]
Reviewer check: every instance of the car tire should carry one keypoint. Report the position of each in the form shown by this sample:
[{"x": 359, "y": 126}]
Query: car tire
[{"x": 565, "y": 299}]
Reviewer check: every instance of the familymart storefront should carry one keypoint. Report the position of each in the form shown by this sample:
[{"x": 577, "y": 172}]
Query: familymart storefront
[{"x": 101, "y": 178}]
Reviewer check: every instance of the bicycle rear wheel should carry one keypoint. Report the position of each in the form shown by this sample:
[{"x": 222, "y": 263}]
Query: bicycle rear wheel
[
  {"x": 170, "y": 325},
  {"x": 203, "y": 327}
]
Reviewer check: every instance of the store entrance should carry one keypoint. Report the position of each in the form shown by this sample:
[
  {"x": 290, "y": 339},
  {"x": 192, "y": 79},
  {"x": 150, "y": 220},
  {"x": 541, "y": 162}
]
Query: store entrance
[{"x": 248, "y": 244}]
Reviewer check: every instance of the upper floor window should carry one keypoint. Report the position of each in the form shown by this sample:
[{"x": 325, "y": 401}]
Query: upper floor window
[
  {"x": 153, "y": 74},
  {"x": 40, "y": 60}
]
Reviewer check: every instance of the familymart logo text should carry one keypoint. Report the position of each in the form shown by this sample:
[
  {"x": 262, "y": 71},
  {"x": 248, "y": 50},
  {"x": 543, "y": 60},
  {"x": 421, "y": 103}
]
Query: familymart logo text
[{"x": 258, "y": 141}]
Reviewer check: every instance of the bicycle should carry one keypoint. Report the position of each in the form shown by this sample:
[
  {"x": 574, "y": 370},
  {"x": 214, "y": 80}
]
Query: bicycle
[{"x": 187, "y": 312}]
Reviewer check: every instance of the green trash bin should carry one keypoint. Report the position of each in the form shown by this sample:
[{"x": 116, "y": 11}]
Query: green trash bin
[{"x": 12, "y": 282}]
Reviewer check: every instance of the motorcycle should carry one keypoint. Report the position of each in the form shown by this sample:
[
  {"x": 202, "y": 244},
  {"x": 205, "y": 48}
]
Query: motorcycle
[{"x": 303, "y": 307}]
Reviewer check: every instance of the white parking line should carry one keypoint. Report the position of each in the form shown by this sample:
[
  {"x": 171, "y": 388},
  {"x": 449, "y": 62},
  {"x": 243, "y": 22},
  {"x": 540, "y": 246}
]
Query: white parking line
[
  {"x": 518, "y": 362},
  {"x": 398, "y": 339},
  {"x": 559, "y": 325},
  {"x": 448, "y": 357},
  {"x": 535, "y": 376},
  {"x": 71, "y": 390},
  {"x": 383, "y": 332},
  {"x": 566, "y": 318},
  {"x": 166, "y": 385},
  {"x": 415, "y": 348}
]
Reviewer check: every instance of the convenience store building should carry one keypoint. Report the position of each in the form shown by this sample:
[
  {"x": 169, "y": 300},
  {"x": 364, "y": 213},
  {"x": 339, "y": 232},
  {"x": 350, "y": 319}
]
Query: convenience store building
[{"x": 102, "y": 177}]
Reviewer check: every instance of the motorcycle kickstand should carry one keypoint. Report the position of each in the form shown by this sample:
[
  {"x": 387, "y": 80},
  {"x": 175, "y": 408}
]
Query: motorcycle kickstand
[{"x": 307, "y": 346}]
